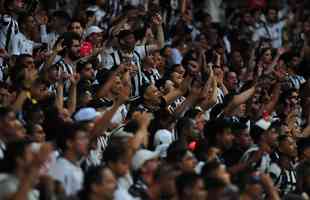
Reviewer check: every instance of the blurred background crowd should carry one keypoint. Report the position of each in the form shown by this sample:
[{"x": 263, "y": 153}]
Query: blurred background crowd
[{"x": 154, "y": 99}]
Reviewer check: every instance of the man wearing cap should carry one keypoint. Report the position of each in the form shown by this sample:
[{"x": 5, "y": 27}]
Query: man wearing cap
[
  {"x": 93, "y": 39},
  {"x": 132, "y": 55},
  {"x": 144, "y": 164}
]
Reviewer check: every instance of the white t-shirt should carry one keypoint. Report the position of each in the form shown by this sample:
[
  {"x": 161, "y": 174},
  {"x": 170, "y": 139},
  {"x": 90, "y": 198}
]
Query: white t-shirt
[
  {"x": 122, "y": 191},
  {"x": 70, "y": 175},
  {"x": 21, "y": 45},
  {"x": 270, "y": 31},
  {"x": 9, "y": 184}
]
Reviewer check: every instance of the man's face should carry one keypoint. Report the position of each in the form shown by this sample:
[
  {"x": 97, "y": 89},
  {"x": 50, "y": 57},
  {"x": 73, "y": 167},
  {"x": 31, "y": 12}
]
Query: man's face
[
  {"x": 149, "y": 62},
  {"x": 227, "y": 138},
  {"x": 88, "y": 72},
  {"x": 247, "y": 18},
  {"x": 272, "y": 137},
  {"x": 244, "y": 139},
  {"x": 152, "y": 94},
  {"x": 80, "y": 143},
  {"x": 74, "y": 52},
  {"x": 53, "y": 75},
  {"x": 129, "y": 42},
  {"x": 12, "y": 128},
  {"x": 200, "y": 123},
  {"x": 108, "y": 185},
  {"x": 272, "y": 15},
  {"x": 28, "y": 62},
  {"x": 116, "y": 85},
  {"x": 232, "y": 80},
  {"x": 288, "y": 147},
  {"x": 76, "y": 27},
  {"x": 5, "y": 97}
]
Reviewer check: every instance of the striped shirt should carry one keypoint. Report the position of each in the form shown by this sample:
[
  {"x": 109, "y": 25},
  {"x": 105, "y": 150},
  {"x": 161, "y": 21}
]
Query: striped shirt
[
  {"x": 67, "y": 69},
  {"x": 117, "y": 57},
  {"x": 150, "y": 76},
  {"x": 8, "y": 28},
  {"x": 95, "y": 156},
  {"x": 284, "y": 179},
  {"x": 296, "y": 81},
  {"x": 262, "y": 165}
]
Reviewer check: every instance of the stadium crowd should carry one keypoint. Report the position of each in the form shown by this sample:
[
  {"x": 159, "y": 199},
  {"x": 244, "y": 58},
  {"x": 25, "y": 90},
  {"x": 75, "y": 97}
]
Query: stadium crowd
[{"x": 154, "y": 99}]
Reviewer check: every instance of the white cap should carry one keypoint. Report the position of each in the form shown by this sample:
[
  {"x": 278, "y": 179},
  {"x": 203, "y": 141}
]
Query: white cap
[
  {"x": 263, "y": 124},
  {"x": 93, "y": 29},
  {"x": 141, "y": 157},
  {"x": 86, "y": 114},
  {"x": 163, "y": 137}
]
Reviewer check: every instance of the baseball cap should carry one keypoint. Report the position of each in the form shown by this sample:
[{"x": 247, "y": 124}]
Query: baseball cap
[
  {"x": 86, "y": 114},
  {"x": 162, "y": 137},
  {"x": 141, "y": 157},
  {"x": 93, "y": 29}
]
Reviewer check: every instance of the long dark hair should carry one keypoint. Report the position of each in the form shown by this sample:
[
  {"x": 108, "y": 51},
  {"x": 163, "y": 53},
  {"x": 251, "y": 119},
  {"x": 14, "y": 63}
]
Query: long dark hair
[{"x": 13, "y": 151}]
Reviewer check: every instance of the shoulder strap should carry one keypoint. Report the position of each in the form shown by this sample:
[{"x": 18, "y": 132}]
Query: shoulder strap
[
  {"x": 267, "y": 30},
  {"x": 8, "y": 36},
  {"x": 114, "y": 59}
]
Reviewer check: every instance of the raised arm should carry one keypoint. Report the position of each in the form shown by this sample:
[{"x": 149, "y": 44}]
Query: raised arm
[
  {"x": 239, "y": 99},
  {"x": 73, "y": 93},
  {"x": 172, "y": 95},
  {"x": 104, "y": 122},
  {"x": 141, "y": 136}
]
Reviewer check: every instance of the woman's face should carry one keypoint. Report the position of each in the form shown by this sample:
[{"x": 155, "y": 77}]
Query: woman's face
[
  {"x": 180, "y": 69},
  {"x": 38, "y": 134},
  {"x": 267, "y": 57},
  {"x": 176, "y": 78}
]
